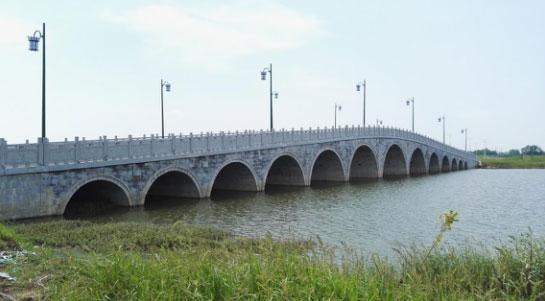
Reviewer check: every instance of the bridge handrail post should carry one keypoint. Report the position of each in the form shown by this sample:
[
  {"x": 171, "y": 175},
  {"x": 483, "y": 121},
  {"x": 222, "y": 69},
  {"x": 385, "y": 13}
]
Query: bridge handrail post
[
  {"x": 292, "y": 135},
  {"x": 173, "y": 144},
  {"x": 249, "y": 138},
  {"x": 42, "y": 151},
  {"x": 152, "y": 145},
  {"x": 104, "y": 148},
  {"x": 3, "y": 153},
  {"x": 129, "y": 147},
  {"x": 77, "y": 150},
  {"x": 190, "y": 143}
]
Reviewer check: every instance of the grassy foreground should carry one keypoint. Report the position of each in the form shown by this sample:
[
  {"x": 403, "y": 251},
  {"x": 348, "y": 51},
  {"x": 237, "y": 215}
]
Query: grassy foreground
[
  {"x": 130, "y": 261},
  {"x": 526, "y": 162}
]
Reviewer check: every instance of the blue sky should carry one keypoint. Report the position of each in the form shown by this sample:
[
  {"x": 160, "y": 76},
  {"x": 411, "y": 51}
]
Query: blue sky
[{"x": 480, "y": 63}]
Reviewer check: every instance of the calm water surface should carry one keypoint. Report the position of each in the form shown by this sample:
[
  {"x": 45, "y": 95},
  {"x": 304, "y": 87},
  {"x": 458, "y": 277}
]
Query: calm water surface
[{"x": 375, "y": 216}]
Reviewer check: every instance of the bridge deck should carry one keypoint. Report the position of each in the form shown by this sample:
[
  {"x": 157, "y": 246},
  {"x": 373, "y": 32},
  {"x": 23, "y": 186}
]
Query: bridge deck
[{"x": 55, "y": 156}]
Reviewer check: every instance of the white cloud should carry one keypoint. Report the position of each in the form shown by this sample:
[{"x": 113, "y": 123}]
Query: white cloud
[{"x": 221, "y": 31}]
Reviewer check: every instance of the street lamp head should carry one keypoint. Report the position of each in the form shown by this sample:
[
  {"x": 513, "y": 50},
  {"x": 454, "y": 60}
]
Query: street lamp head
[
  {"x": 408, "y": 102},
  {"x": 33, "y": 43},
  {"x": 263, "y": 75},
  {"x": 358, "y": 87},
  {"x": 439, "y": 119},
  {"x": 276, "y": 95},
  {"x": 167, "y": 87}
]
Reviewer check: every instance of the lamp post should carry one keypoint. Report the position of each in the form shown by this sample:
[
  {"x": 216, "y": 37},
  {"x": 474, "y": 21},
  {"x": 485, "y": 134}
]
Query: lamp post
[
  {"x": 359, "y": 87},
  {"x": 337, "y": 108},
  {"x": 166, "y": 86},
  {"x": 271, "y": 92},
  {"x": 464, "y": 131},
  {"x": 443, "y": 120},
  {"x": 411, "y": 102},
  {"x": 33, "y": 46}
]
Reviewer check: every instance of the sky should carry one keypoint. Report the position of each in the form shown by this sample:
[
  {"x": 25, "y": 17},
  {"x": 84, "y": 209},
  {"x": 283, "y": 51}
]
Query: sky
[{"x": 481, "y": 64}]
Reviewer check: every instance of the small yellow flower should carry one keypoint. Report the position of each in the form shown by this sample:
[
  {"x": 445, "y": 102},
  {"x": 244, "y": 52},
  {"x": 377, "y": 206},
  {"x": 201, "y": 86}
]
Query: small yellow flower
[{"x": 448, "y": 218}]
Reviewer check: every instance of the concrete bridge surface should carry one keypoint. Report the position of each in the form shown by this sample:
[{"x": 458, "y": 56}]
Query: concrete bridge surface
[{"x": 47, "y": 178}]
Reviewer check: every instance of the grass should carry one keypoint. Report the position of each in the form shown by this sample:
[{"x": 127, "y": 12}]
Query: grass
[
  {"x": 133, "y": 261},
  {"x": 523, "y": 162},
  {"x": 8, "y": 239}
]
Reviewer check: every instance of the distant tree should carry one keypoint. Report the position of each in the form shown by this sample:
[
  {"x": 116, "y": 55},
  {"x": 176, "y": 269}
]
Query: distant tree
[
  {"x": 486, "y": 152},
  {"x": 513, "y": 153},
  {"x": 532, "y": 150}
]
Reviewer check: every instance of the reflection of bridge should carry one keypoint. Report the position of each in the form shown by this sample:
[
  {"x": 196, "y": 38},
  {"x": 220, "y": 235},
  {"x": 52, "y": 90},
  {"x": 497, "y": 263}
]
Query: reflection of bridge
[{"x": 48, "y": 177}]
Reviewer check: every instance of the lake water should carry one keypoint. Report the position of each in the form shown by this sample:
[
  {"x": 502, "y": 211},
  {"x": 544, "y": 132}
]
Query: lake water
[{"x": 375, "y": 216}]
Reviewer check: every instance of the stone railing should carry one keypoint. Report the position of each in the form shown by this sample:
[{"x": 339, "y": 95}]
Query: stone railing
[{"x": 82, "y": 151}]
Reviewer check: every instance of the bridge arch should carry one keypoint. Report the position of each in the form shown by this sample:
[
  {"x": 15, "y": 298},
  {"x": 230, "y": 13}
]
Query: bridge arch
[
  {"x": 454, "y": 165},
  {"x": 235, "y": 175},
  {"x": 394, "y": 162},
  {"x": 460, "y": 165},
  {"x": 417, "y": 166},
  {"x": 363, "y": 163},
  {"x": 445, "y": 164},
  {"x": 434, "y": 166},
  {"x": 284, "y": 170},
  {"x": 465, "y": 164},
  {"x": 327, "y": 166},
  {"x": 171, "y": 182},
  {"x": 95, "y": 195}
]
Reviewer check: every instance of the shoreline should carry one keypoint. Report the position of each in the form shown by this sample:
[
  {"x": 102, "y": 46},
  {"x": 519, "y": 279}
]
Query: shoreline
[
  {"x": 526, "y": 162},
  {"x": 129, "y": 260}
]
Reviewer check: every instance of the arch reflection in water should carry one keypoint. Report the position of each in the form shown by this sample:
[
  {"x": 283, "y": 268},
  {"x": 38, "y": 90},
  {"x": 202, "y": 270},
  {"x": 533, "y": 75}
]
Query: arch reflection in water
[
  {"x": 394, "y": 163},
  {"x": 285, "y": 174},
  {"x": 327, "y": 167},
  {"x": 418, "y": 164},
  {"x": 234, "y": 180},
  {"x": 445, "y": 166},
  {"x": 434, "y": 166},
  {"x": 363, "y": 166},
  {"x": 95, "y": 198},
  {"x": 170, "y": 188}
]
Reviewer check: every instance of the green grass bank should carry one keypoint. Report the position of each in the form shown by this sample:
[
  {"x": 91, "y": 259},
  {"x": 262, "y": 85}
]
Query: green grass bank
[
  {"x": 523, "y": 162},
  {"x": 76, "y": 260}
]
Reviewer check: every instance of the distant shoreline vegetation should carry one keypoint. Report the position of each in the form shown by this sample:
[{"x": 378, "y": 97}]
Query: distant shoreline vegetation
[
  {"x": 529, "y": 157},
  {"x": 521, "y": 162}
]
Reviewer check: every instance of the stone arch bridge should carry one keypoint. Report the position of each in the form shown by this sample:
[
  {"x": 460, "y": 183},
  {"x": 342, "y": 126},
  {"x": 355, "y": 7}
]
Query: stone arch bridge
[{"x": 47, "y": 178}]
